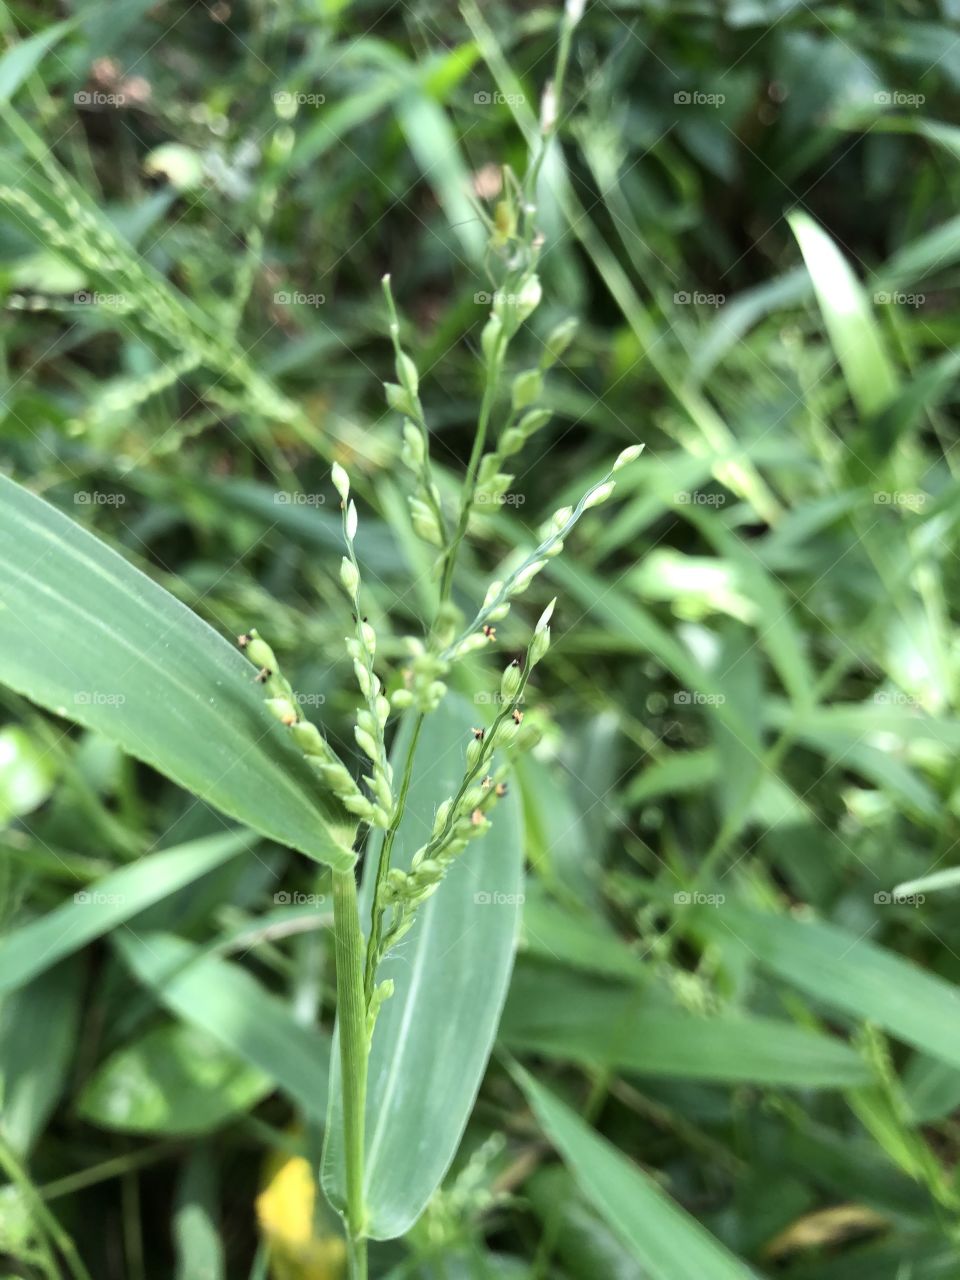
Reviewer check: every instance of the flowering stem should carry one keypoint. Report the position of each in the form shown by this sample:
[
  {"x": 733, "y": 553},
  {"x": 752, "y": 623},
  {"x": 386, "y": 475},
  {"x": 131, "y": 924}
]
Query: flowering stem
[
  {"x": 383, "y": 863},
  {"x": 352, "y": 1011},
  {"x": 470, "y": 482}
]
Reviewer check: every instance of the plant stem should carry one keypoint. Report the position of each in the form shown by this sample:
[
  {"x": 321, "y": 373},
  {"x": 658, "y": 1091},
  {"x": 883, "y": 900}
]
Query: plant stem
[
  {"x": 352, "y": 1010},
  {"x": 470, "y": 482},
  {"x": 383, "y": 864}
]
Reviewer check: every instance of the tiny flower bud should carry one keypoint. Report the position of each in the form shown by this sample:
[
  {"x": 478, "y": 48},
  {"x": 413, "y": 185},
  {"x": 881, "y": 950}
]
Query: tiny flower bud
[
  {"x": 352, "y": 521},
  {"x": 539, "y": 645},
  {"x": 309, "y": 738},
  {"x": 529, "y": 298},
  {"x": 525, "y": 577},
  {"x": 533, "y": 421},
  {"x": 365, "y": 742},
  {"x": 363, "y": 677},
  {"x": 414, "y": 451},
  {"x": 627, "y": 456},
  {"x": 359, "y": 805},
  {"x": 512, "y": 441},
  {"x": 440, "y": 821},
  {"x": 526, "y": 387},
  {"x": 407, "y": 374},
  {"x": 510, "y": 682},
  {"x": 282, "y": 709},
  {"x": 558, "y": 340},
  {"x": 400, "y": 399},
  {"x": 472, "y": 644},
  {"x": 424, "y": 523},
  {"x": 382, "y": 791},
  {"x": 341, "y": 481},
  {"x": 474, "y": 753},
  {"x": 369, "y": 638},
  {"x": 349, "y": 576},
  {"x": 600, "y": 494},
  {"x": 493, "y": 591},
  {"x": 260, "y": 653}
]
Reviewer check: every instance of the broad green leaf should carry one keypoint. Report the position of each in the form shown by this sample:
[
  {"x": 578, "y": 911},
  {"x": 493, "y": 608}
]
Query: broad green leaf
[
  {"x": 175, "y": 1079},
  {"x": 20, "y": 59},
  {"x": 551, "y": 1014},
  {"x": 587, "y": 1245},
  {"x": 33, "y": 1071},
  {"x": 848, "y": 315},
  {"x": 847, "y": 971},
  {"x": 89, "y": 637},
  {"x": 661, "y": 1236},
  {"x": 118, "y": 897},
  {"x": 230, "y": 1004},
  {"x": 434, "y": 1036}
]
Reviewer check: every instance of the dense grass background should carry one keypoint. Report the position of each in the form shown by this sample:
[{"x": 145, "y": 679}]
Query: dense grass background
[{"x": 753, "y": 681}]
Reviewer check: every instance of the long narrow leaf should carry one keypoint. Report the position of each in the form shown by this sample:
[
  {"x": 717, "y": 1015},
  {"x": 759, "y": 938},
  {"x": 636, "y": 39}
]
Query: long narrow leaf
[{"x": 86, "y": 635}]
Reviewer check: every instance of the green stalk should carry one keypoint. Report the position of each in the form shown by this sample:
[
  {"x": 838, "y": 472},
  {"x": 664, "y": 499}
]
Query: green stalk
[
  {"x": 494, "y": 368},
  {"x": 383, "y": 865},
  {"x": 352, "y": 1012}
]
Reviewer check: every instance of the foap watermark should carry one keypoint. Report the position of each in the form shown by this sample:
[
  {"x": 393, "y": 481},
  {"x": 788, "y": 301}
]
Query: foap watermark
[
  {"x": 98, "y": 698},
  {"x": 695, "y": 298},
  {"x": 308, "y": 699},
  {"x": 694, "y": 898},
  {"x": 693, "y": 698},
  {"x": 697, "y": 498},
  {"x": 91, "y": 298},
  {"x": 97, "y": 498},
  {"x": 294, "y": 898},
  {"x": 286, "y": 498},
  {"x": 695, "y": 98},
  {"x": 894, "y": 698},
  {"x": 284, "y": 298},
  {"x": 494, "y": 898},
  {"x": 499, "y": 298},
  {"x": 900, "y": 498},
  {"x": 896, "y": 98},
  {"x": 94, "y": 98},
  {"x": 895, "y": 899},
  {"x": 896, "y": 298},
  {"x": 494, "y": 98},
  {"x": 500, "y": 499},
  {"x": 94, "y": 898},
  {"x": 287, "y": 98}
]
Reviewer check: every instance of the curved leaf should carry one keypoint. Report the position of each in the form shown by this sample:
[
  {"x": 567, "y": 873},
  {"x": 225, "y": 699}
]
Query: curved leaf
[
  {"x": 434, "y": 1036},
  {"x": 662, "y": 1237},
  {"x": 228, "y": 1003},
  {"x": 175, "y": 1079},
  {"x": 86, "y": 635},
  {"x": 854, "y": 333},
  {"x": 112, "y": 901}
]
